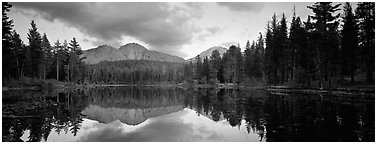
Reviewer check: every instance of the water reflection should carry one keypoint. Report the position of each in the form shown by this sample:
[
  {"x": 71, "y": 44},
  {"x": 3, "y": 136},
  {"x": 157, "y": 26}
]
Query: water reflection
[
  {"x": 174, "y": 114},
  {"x": 40, "y": 114}
]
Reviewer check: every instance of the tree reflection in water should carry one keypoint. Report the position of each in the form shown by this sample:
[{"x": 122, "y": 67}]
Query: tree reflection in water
[
  {"x": 289, "y": 117},
  {"x": 273, "y": 116},
  {"x": 40, "y": 114}
]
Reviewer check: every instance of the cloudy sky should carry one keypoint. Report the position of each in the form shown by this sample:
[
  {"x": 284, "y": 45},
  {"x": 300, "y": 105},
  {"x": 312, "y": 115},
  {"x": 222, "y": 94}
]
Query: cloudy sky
[{"x": 182, "y": 29}]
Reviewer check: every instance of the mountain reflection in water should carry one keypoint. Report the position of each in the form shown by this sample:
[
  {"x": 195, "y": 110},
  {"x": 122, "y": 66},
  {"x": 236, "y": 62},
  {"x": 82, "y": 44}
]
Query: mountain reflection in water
[{"x": 174, "y": 114}]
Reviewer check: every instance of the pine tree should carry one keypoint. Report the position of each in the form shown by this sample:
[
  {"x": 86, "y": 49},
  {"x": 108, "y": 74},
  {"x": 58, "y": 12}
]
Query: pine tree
[
  {"x": 298, "y": 52},
  {"x": 273, "y": 52},
  {"x": 48, "y": 55},
  {"x": 268, "y": 57},
  {"x": 7, "y": 26},
  {"x": 228, "y": 65},
  {"x": 215, "y": 62},
  {"x": 261, "y": 46},
  {"x": 349, "y": 42},
  {"x": 74, "y": 61},
  {"x": 366, "y": 22},
  {"x": 292, "y": 48},
  {"x": 282, "y": 49},
  {"x": 239, "y": 72},
  {"x": 199, "y": 68},
  {"x": 65, "y": 51},
  {"x": 249, "y": 60},
  {"x": 325, "y": 37},
  {"x": 36, "y": 51},
  {"x": 59, "y": 57},
  {"x": 19, "y": 51},
  {"x": 233, "y": 65},
  {"x": 205, "y": 72},
  {"x": 257, "y": 58}
]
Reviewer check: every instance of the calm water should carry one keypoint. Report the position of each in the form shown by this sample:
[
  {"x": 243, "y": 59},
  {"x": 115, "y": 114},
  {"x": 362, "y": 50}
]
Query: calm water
[{"x": 173, "y": 114}]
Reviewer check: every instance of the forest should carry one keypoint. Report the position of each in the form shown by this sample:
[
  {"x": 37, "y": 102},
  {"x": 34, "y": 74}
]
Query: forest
[{"x": 333, "y": 46}]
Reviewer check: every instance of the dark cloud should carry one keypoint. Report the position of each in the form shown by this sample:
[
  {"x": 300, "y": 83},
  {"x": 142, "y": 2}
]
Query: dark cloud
[
  {"x": 243, "y": 6},
  {"x": 159, "y": 25}
]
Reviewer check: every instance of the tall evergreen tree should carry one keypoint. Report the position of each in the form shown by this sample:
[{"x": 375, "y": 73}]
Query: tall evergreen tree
[
  {"x": 365, "y": 14},
  {"x": 206, "y": 72},
  {"x": 325, "y": 37},
  {"x": 249, "y": 60},
  {"x": 19, "y": 51},
  {"x": 282, "y": 49},
  {"x": 258, "y": 57},
  {"x": 228, "y": 66},
  {"x": 198, "y": 68},
  {"x": 268, "y": 57},
  {"x": 7, "y": 26},
  {"x": 59, "y": 57},
  {"x": 276, "y": 65},
  {"x": 48, "y": 55},
  {"x": 233, "y": 65},
  {"x": 310, "y": 51},
  {"x": 215, "y": 62},
  {"x": 36, "y": 51},
  {"x": 349, "y": 42},
  {"x": 273, "y": 54},
  {"x": 298, "y": 52},
  {"x": 74, "y": 61},
  {"x": 239, "y": 73}
]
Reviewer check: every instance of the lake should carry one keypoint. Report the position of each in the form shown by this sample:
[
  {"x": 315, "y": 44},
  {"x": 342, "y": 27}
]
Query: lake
[{"x": 183, "y": 115}]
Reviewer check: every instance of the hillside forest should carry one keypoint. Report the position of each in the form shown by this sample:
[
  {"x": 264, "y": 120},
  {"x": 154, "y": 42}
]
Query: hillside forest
[{"x": 334, "y": 45}]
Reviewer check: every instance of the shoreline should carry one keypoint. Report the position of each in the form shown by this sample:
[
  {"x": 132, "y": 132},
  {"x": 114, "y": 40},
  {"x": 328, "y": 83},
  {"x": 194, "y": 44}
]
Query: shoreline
[{"x": 63, "y": 86}]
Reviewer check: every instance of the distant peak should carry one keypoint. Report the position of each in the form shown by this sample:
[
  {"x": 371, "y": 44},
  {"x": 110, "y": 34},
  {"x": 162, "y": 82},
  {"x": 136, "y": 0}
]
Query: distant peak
[
  {"x": 208, "y": 52},
  {"x": 133, "y": 45}
]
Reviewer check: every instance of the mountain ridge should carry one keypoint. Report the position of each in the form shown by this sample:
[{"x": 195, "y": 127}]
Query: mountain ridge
[
  {"x": 129, "y": 51},
  {"x": 208, "y": 53}
]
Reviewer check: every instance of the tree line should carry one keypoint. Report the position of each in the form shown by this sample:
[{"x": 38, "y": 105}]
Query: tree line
[
  {"x": 135, "y": 72},
  {"x": 39, "y": 59},
  {"x": 328, "y": 46}
]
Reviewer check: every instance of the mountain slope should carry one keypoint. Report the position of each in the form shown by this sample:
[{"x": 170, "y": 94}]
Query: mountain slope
[
  {"x": 208, "y": 53},
  {"x": 130, "y": 51},
  {"x": 102, "y": 53}
]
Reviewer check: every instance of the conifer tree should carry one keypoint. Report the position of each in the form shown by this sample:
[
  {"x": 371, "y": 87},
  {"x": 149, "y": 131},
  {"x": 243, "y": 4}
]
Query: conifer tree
[
  {"x": 48, "y": 55},
  {"x": 19, "y": 51},
  {"x": 215, "y": 62},
  {"x": 349, "y": 42},
  {"x": 365, "y": 14},
  {"x": 325, "y": 39},
  {"x": 36, "y": 51},
  {"x": 7, "y": 26},
  {"x": 198, "y": 68}
]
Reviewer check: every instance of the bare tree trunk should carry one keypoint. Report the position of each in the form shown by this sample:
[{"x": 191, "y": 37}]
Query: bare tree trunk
[
  {"x": 18, "y": 68},
  {"x": 22, "y": 70}
]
